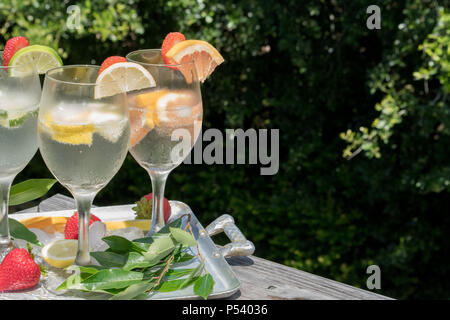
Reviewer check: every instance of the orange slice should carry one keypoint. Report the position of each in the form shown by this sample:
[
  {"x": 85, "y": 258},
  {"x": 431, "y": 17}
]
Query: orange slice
[
  {"x": 206, "y": 58},
  {"x": 149, "y": 101}
]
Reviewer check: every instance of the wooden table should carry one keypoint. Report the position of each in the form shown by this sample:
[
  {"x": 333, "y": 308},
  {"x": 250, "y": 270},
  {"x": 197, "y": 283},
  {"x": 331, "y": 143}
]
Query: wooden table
[{"x": 260, "y": 278}]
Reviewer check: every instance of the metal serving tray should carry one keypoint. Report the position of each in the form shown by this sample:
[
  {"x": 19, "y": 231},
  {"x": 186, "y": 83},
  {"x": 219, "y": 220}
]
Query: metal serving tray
[{"x": 226, "y": 282}]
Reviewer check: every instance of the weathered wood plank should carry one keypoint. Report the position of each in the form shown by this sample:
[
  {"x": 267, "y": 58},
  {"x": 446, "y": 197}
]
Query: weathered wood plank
[
  {"x": 260, "y": 278},
  {"x": 263, "y": 279}
]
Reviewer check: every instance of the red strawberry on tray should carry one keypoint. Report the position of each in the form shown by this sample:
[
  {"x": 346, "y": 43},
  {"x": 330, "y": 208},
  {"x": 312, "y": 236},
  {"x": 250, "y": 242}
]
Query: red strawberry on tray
[
  {"x": 144, "y": 207},
  {"x": 18, "y": 271},
  {"x": 71, "y": 228}
]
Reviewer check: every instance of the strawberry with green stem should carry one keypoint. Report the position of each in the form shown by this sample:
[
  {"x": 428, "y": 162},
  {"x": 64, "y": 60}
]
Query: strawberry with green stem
[{"x": 144, "y": 207}]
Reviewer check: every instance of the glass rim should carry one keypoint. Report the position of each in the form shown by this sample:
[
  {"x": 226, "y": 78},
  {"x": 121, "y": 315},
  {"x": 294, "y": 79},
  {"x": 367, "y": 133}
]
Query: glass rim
[
  {"x": 73, "y": 66},
  {"x": 155, "y": 64},
  {"x": 13, "y": 67}
]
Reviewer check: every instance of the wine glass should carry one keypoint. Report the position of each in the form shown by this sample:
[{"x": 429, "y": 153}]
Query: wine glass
[
  {"x": 165, "y": 122},
  {"x": 83, "y": 139},
  {"x": 20, "y": 91}
]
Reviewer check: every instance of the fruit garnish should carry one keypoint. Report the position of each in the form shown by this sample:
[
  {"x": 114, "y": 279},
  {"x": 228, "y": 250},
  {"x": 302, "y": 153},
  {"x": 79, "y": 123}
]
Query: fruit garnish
[
  {"x": 139, "y": 128},
  {"x": 149, "y": 101},
  {"x": 122, "y": 77},
  {"x": 71, "y": 228},
  {"x": 144, "y": 206},
  {"x": 12, "y": 46},
  {"x": 170, "y": 40},
  {"x": 15, "y": 118},
  {"x": 60, "y": 253},
  {"x": 18, "y": 271},
  {"x": 42, "y": 58},
  {"x": 110, "y": 61},
  {"x": 206, "y": 58},
  {"x": 67, "y": 133}
]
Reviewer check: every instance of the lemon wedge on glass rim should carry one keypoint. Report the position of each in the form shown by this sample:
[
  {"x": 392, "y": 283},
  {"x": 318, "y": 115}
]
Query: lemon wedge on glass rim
[
  {"x": 122, "y": 77},
  {"x": 60, "y": 253}
]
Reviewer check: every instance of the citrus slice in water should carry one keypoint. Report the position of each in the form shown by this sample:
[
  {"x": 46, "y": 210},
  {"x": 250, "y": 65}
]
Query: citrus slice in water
[
  {"x": 122, "y": 77},
  {"x": 43, "y": 58},
  {"x": 60, "y": 253},
  {"x": 206, "y": 58},
  {"x": 149, "y": 102},
  {"x": 68, "y": 133},
  {"x": 14, "y": 119}
]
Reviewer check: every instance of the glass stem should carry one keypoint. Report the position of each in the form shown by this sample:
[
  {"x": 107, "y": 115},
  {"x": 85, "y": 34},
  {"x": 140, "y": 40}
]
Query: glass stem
[
  {"x": 158, "y": 184},
  {"x": 84, "y": 203},
  {"x": 5, "y": 186}
]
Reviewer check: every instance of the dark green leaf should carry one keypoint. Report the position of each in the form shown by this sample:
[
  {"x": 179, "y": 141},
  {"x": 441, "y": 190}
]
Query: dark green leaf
[
  {"x": 74, "y": 281},
  {"x": 194, "y": 274},
  {"x": 133, "y": 291},
  {"x": 112, "y": 279},
  {"x": 173, "y": 285},
  {"x": 181, "y": 283},
  {"x": 177, "y": 273},
  {"x": 136, "y": 260},
  {"x": 204, "y": 285},
  {"x": 183, "y": 257},
  {"x": 29, "y": 190},
  {"x": 110, "y": 259},
  {"x": 119, "y": 244},
  {"x": 19, "y": 231}
]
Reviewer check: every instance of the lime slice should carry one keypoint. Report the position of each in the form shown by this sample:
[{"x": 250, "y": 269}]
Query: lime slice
[
  {"x": 15, "y": 119},
  {"x": 43, "y": 58}
]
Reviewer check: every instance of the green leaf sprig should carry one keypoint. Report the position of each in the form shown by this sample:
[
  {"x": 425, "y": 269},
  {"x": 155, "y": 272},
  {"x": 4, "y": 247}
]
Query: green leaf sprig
[{"x": 136, "y": 269}]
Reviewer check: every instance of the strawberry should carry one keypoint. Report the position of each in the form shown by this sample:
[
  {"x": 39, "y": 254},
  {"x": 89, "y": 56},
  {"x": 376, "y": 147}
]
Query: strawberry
[
  {"x": 110, "y": 61},
  {"x": 71, "y": 228},
  {"x": 169, "y": 41},
  {"x": 144, "y": 208},
  {"x": 12, "y": 46},
  {"x": 18, "y": 271}
]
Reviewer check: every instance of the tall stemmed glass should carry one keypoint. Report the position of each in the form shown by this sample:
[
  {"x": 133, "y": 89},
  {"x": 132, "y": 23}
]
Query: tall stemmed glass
[
  {"x": 165, "y": 122},
  {"x": 20, "y": 91},
  {"x": 83, "y": 140}
]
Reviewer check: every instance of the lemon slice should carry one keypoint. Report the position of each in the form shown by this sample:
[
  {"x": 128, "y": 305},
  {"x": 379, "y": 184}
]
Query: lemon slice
[
  {"x": 42, "y": 58},
  {"x": 62, "y": 130},
  {"x": 60, "y": 253},
  {"x": 206, "y": 58},
  {"x": 122, "y": 77}
]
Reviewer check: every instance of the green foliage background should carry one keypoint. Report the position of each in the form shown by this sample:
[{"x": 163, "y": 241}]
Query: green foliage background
[{"x": 363, "y": 115}]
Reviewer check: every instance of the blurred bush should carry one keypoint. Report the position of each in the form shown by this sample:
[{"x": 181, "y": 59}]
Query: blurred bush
[{"x": 363, "y": 117}]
